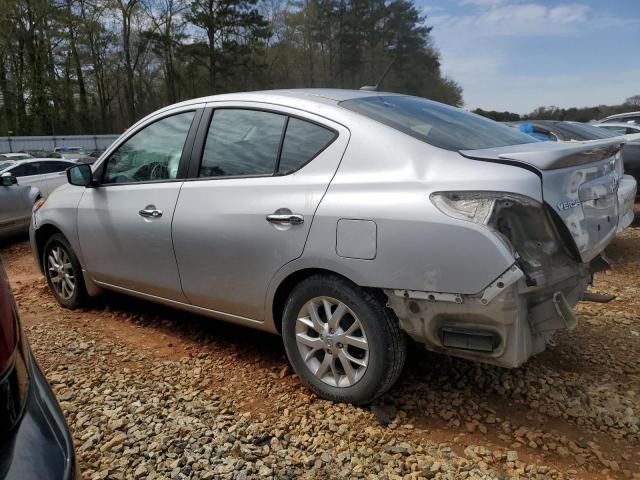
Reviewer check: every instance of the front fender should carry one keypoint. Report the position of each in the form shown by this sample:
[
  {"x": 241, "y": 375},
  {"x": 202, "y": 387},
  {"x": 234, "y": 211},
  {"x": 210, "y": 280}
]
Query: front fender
[{"x": 34, "y": 194}]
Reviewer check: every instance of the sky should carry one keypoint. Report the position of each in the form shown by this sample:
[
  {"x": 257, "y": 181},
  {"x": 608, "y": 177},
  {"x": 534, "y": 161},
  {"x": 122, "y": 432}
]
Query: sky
[{"x": 517, "y": 55}]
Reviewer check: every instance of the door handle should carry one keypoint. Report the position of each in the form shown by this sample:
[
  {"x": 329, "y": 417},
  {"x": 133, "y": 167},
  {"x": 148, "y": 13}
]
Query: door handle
[
  {"x": 150, "y": 211},
  {"x": 285, "y": 219}
]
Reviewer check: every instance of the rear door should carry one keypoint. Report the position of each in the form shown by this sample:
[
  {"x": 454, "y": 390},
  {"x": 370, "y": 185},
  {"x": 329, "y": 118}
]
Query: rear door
[
  {"x": 56, "y": 174},
  {"x": 33, "y": 174},
  {"x": 257, "y": 180},
  {"x": 124, "y": 224}
]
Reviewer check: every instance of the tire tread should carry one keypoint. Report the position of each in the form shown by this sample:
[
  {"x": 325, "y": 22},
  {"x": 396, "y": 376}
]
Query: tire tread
[{"x": 395, "y": 340}]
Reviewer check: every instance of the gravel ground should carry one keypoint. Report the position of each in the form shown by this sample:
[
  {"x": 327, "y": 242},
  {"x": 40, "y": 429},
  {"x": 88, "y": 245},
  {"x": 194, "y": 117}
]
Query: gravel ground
[{"x": 150, "y": 392}]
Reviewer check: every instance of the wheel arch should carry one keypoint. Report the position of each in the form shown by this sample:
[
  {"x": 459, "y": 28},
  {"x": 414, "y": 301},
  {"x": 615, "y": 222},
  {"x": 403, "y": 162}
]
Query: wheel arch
[
  {"x": 293, "y": 278},
  {"x": 39, "y": 240},
  {"x": 41, "y": 235}
]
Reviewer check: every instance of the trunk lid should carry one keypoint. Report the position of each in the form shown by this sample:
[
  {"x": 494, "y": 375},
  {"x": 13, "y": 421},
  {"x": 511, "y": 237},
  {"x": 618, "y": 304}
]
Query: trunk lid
[{"x": 579, "y": 184}]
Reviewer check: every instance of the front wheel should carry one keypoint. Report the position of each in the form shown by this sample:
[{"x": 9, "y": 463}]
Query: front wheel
[
  {"x": 343, "y": 343},
  {"x": 63, "y": 272}
]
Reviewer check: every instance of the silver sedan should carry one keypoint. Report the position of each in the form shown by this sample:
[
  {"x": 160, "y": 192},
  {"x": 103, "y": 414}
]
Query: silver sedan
[
  {"x": 345, "y": 221},
  {"x": 16, "y": 202}
]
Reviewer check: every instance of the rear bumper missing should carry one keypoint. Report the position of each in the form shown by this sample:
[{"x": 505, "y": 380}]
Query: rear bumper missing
[{"x": 507, "y": 323}]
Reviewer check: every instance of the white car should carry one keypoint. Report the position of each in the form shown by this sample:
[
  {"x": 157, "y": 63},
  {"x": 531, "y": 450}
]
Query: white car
[
  {"x": 630, "y": 130},
  {"x": 45, "y": 174},
  {"x": 628, "y": 117}
]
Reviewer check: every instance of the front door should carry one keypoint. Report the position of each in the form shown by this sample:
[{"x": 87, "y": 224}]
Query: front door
[
  {"x": 124, "y": 224},
  {"x": 258, "y": 183}
]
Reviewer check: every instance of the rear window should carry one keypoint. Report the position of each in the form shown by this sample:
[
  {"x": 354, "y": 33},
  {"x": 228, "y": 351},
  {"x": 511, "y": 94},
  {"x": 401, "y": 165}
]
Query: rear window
[
  {"x": 590, "y": 132},
  {"x": 437, "y": 124},
  {"x": 302, "y": 142}
]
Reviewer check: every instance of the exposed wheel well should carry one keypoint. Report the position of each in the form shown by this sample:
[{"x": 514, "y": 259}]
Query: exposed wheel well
[
  {"x": 288, "y": 284},
  {"x": 42, "y": 234}
]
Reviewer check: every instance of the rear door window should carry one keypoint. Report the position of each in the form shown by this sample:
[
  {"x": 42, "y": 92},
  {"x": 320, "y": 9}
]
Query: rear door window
[
  {"x": 27, "y": 169},
  {"x": 242, "y": 143},
  {"x": 435, "y": 123},
  {"x": 303, "y": 141},
  {"x": 53, "y": 167}
]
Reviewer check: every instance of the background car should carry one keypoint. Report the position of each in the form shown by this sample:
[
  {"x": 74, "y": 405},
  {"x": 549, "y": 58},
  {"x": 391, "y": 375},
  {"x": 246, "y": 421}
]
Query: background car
[
  {"x": 36, "y": 153},
  {"x": 45, "y": 174},
  {"x": 35, "y": 442},
  {"x": 14, "y": 156},
  {"x": 344, "y": 221},
  {"x": 96, "y": 153},
  {"x": 77, "y": 154},
  {"x": 620, "y": 128},
  {"x": 628, "y": 117},
  {"x": 16, "y": 203},
  {"x": 563, "y": 131}
]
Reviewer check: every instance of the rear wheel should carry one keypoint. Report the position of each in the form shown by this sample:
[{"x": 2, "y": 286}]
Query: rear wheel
[
  {"x": 63, "y": 272},
  {"x": 343, "y": 343}
]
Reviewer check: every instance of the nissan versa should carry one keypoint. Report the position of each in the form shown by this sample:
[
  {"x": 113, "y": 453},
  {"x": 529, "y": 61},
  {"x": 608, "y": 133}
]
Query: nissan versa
[{"x": 343, "y": 220}]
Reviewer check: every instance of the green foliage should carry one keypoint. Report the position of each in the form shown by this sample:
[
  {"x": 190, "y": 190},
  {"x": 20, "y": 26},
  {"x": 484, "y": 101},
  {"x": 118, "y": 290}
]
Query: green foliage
[
  {"x": 498, "y": 116},
  {"x": 585, "y": 114},
  {"x": 96, "y": 66}
]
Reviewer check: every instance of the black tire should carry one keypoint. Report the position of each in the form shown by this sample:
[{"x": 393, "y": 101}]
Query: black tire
[
  {"x": 387, "y": 344},
  {"x": 79, "y": 296}
]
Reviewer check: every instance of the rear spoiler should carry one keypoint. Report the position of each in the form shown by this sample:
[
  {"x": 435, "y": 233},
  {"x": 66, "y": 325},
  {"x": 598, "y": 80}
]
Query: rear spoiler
[{"x": 551, "y": 155}]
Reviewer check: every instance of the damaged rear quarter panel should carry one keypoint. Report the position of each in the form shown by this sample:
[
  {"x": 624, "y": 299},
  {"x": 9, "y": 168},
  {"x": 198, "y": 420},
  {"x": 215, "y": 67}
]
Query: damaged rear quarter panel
[{"x": 418, "y": 247}]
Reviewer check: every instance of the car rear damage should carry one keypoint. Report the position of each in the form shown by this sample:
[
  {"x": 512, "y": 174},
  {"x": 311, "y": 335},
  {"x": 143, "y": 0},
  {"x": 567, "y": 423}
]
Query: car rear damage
[{"x": 556, "y": 244}]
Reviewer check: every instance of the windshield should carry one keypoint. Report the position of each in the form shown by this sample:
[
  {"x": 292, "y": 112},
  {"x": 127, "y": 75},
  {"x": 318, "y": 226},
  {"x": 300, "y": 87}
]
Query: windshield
[
  {"x": 435, "y": 123},
  {"x": 5, "y": 164}
]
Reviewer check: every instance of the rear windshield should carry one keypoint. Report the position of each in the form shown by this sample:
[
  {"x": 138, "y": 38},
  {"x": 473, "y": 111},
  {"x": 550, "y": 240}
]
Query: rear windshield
[
  {"x": 437, "y": 124},
  {"x": 589, "y": 132}
]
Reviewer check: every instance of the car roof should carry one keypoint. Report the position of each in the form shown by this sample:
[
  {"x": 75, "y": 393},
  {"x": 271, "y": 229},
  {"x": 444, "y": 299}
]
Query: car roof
[
  {"x": 289, "y": 97},
  {"x": 622, "y": 115},
  {"x": 309, "y": 99}
]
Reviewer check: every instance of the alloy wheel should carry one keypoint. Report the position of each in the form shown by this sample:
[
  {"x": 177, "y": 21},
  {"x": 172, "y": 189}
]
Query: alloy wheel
[
  {"x": 60, "y": 272},
  {"x": 332, "y": 341}
]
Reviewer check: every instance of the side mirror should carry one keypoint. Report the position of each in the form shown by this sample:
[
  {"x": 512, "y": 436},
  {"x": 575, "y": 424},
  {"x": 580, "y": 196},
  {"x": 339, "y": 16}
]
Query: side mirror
[
  {"x": 7, "y": 179},
  {"x": 80, "y": 175}
]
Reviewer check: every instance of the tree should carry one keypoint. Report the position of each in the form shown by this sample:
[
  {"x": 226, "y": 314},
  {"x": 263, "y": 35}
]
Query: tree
[
  {"x": 96, "y": 66},
  {"x": 165, "y": 36},
  {"x": 232, "y": 28},
  {"x": 634, "y": 101}
]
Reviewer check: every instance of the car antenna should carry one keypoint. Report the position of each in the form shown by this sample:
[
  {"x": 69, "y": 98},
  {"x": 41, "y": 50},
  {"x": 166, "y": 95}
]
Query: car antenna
[{"x": 374, "y": 88}]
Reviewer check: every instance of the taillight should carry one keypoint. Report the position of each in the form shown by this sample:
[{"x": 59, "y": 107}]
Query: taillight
[{"x": 8, "y": 325}]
